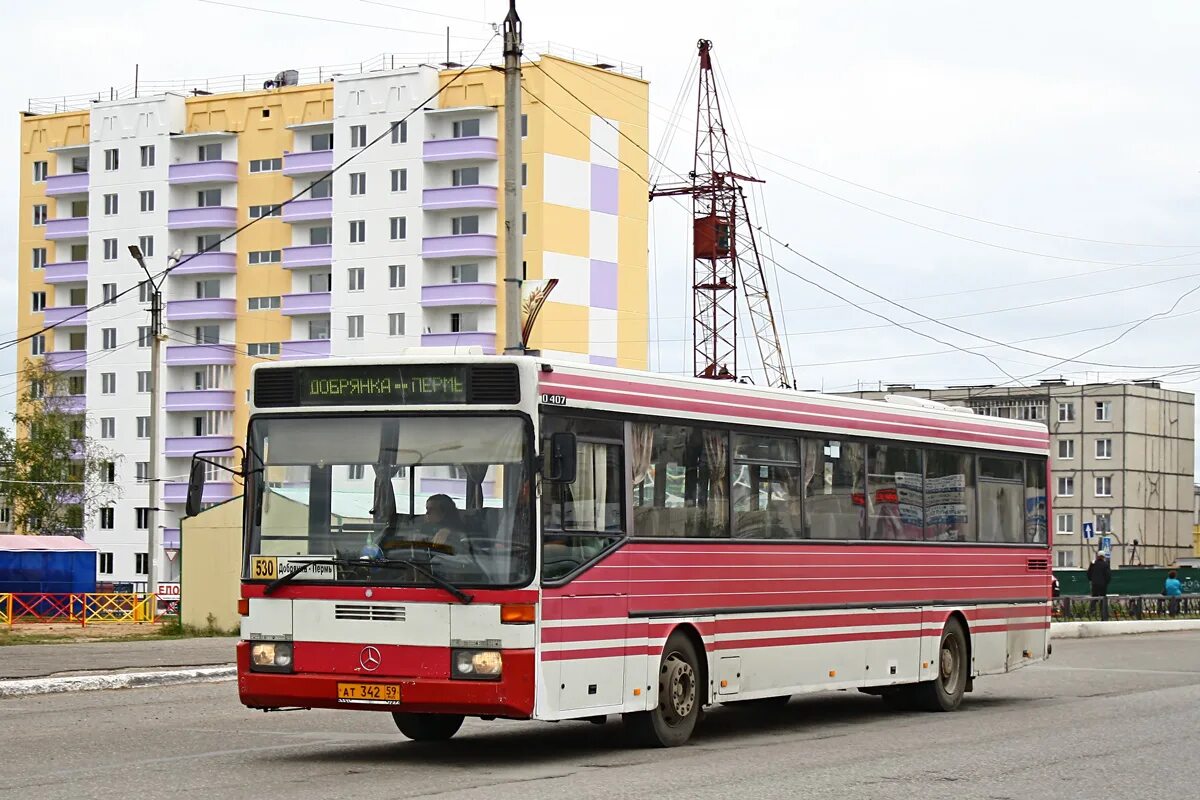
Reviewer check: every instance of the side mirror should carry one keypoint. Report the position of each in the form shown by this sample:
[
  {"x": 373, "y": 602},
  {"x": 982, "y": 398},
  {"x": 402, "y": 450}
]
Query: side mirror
[
  {"x": 561, "y": 465},
  {"x": 195, "y": 492}
]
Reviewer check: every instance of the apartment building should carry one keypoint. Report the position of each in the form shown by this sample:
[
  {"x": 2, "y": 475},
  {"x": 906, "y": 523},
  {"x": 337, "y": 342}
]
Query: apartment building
[
  {"x": 1122, "y": 458},
  {"x": 402, "y": 247}
]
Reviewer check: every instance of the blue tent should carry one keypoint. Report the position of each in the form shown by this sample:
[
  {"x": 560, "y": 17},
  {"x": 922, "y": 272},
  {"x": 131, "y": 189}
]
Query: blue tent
[{"x": 46, "y": 565}]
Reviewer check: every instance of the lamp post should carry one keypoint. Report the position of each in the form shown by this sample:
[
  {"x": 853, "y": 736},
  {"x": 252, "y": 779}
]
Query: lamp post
[{"x": 156, "y": 339}]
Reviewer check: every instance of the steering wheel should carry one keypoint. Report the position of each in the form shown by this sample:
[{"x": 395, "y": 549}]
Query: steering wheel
[{"x": 436, "y": 547}]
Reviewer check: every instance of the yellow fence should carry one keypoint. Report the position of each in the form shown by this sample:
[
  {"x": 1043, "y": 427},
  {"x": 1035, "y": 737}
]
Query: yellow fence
[{"x": 78, "y": 608}]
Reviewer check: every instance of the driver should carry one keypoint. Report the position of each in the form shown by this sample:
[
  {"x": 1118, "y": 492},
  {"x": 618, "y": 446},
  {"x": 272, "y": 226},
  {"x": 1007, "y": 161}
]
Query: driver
[{"x": 443, "y": 525}]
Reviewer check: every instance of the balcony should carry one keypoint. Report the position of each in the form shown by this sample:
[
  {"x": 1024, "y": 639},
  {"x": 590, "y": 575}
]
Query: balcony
[
  {"x": 66, "y": 360},
  {"x": 66, "y": 272},
  {"x": 202, "y": 172},
  {"x": 182, "y": 219},
  {"x": 308, "y": 255},
  {"x": 66, "y": 316},
  {"x": 307, "y": 163},
  {"x": 484, "y": 339},
  {"x": 307, "y": 303},
  {"x": 191, "y": 355},
  {"x": 170, "y": 539},
  {"x": 67, "y": 228},
  {"x": 311, "y": 210},
  {"x": 468, "y": 245},
  {"x": 214, "y": 492},
  {"x": 212, "y": 263},
  {"x": 187, "y": 446},
  {"x": 468, "y": 148},
  {"x": 71, "y": 403},
  {"x": 458, "y": 197},
  {"x": 304, "y": 348},
  {"x": 205, "y": 308},
  {"x": 459, "y": 294},
  {"x": 71, "y": 183},
  {"x": 200, "y": 400}
]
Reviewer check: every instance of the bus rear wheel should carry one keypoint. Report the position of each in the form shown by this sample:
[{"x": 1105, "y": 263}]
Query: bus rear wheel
[
  {"x": 428, "y": 727},
  {"x": 945, "y": 692},
  {"x": 680, "y": 696}
]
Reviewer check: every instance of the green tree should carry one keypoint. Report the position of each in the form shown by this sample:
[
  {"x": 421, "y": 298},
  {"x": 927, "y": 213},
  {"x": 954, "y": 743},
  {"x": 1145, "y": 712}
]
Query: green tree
[{"x": 52, "y": 471}]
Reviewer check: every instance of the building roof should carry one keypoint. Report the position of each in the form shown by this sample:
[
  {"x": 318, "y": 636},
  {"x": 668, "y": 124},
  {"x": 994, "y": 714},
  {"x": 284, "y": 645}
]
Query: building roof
[{"x": 17, "y": 542}]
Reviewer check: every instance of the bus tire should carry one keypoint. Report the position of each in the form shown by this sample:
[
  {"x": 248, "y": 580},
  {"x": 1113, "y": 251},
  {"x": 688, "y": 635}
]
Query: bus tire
[
  {"x": 679, "y": 699},
  {"x": 428, "y": 727},
  {"x": 945, "y": 692}
]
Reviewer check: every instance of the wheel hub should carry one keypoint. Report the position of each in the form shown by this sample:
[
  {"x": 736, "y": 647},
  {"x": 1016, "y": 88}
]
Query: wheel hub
[{"x": 677, "y": 689}]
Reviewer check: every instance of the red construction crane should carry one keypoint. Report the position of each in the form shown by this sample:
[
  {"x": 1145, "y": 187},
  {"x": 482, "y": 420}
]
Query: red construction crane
[{"x": 724, "y": 249}]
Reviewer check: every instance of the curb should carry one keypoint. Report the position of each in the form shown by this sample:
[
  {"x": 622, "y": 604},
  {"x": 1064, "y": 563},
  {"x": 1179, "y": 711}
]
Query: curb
[
  {"x": 1090, "y": 630},
  {"x": 126, "y": 680}
]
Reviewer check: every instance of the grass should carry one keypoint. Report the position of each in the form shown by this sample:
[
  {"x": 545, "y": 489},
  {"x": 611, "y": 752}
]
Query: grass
[{"x": 62, "y": 633}]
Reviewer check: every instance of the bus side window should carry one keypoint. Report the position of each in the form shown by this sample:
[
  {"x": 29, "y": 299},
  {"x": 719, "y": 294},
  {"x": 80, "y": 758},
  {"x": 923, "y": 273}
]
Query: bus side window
[
  {"x": 1035, "y": 501},
  {"x": 680, "y": 481}
]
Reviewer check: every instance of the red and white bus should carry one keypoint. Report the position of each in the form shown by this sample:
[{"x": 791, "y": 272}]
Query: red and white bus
[{"x": 442, "y": 537}]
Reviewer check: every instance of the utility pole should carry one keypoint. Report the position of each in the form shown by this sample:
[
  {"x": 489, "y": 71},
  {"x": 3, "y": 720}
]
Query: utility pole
[{"x": 513, "y": 238}]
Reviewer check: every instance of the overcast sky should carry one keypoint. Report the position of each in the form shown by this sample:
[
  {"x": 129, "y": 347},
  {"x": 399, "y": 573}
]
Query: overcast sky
[{"x": 1078, "y": 120}]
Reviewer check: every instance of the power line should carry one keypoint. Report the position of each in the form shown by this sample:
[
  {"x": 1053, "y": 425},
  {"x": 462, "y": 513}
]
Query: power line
[
  {"x": 427, "y": 13},
  {"x": 335, "y": 21}
]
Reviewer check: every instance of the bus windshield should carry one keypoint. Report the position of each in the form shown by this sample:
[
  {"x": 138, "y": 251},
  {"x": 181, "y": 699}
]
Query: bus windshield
[{"x": 400, "y": 496}]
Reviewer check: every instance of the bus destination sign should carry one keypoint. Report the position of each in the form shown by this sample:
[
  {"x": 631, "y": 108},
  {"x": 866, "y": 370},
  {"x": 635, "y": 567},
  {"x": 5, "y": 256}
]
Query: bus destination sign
[{"x": 393, "y": 384}]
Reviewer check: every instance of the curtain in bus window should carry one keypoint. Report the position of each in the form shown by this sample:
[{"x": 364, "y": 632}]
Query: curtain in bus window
[
  {"x": 834, "y": 499},
  {"x": 1001, "y": 499},
  {"x": 1035, "y": 501},
  {"x": 642, "y": 442},
  {"x": 895, "y": 488},
  {"x": 683, "y": 493},
  {"x": 474, "y": 489},
  {"x": 949, "y": 496}
]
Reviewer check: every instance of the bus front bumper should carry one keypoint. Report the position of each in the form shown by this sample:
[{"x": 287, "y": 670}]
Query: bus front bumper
[{"x": 510, "y": 696}]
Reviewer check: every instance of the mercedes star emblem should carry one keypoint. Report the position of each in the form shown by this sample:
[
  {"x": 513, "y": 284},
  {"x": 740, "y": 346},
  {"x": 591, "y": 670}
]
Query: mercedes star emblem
[{"x": 370, "y": 659}]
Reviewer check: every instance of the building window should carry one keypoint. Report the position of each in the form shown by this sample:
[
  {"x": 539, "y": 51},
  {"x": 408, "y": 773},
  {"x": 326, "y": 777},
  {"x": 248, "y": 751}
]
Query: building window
[
  {"x": 145, "y": 291},
  {"x": 105, "y": 563},
  {"x": 464, "y": 273},
  {"x": 39, "y": 214},
  {"x": 265, "y": 256},
  {"x": 400, "y": 132},
  {"x": 524, "y": 125},
  {"x": 524, "y": 174},
  {"x": 110, "y": 293},
  {"x": 207, "y": 334},
  {"x": 108, "y": 472},
  {"x": 320, "y": 282},
  {"x": 208, "y": 198},
  {"x": 39, "y": 258},
  {"x": 146, "y": 244},
  {"x": 399, "y": 227},
  {"x": 354, "y": 327},
  {"x": 143, "y": 427},
  {"x": 39, "y": 302},
  {"x": 141, "y": 471},
  {"x": 1064, "y": 523},
  {"x": 321, "y": 190},
  {"x": 37, "y": 344},
  {"x": 355, "y": 472},
  {"x": 465, "y": 127},
  {"x": 106, "y": 519},
  {"x": 263, "y": 348},
  {"x": 208, "y": 289},
  {"x": 1103, "y": 411},
  {"x": 208, "y": 243},
  {"x": 145, "y": 337},
  {"x": 271, "y": 210},
  {"x": 320, "y": 141},
  {"x": 112, "y": 160},
  {"x": 525, "y": 224},
  {"x": 108, "y": 382},
  {"x": 147, "y": 155},
  {"x": 396, "y": 276},
  {"x": 461, "y": 226},
  {"x": 141, "y": 560},
  {"x": 320, "y": 235},
  {"x": 77, "y": 385},
  {"x": 1066, "y": 449},
  {"x": 1066, "y": 412},
  {"x": 40, "y": 170},
  {"x": 1104, "y": 448},
  {"x": 358, "y": 135},
  {"x": 263, "y": 303},
  {"x": 357, "y": 277},
  {"x": 1066, "y": 486},
  {"x": 144, "y": 382},
  {"x": 464, "y": 176},
  {"x": 209, "y": 152},
  {"x": 358, "y": 231},
  {"x": 1064, "y": 558},
  {"x": 318, "y": 329},
  {"x": 141, "y": 519},
  {"x": 147, "y": 199},
  {"x": 109, "y": 338},
  {"x": 108, "y": 427},
  {"x": 79, "y": 164},
  {"x": 266, "y": 165},
  {"x": 464, "y": 322},
  {"x": 396, "y": 324},
  {"x": 1103, "y": 522},
  {"x": 1104, "y": 486},
  {"x": 400, "y": 180},
  {"x": 110, "y": 249},
  {"x": 358, "y": 183}
]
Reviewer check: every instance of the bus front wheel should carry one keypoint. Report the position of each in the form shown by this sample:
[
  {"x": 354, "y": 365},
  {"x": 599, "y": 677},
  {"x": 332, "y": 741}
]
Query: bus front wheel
[
  {"x": 680, "y": 696},
  {"x": 428, "y": 727}
]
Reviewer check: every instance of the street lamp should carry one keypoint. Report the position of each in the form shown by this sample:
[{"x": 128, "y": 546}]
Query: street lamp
[{"x": 156, "y": 339}]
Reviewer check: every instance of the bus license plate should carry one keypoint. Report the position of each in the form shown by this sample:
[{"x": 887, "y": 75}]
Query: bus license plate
[{"x": 368, "y": 693}]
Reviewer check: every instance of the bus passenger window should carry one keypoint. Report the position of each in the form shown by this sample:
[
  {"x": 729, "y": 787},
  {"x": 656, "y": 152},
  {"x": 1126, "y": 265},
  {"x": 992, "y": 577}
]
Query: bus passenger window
[
  {"x": 1001, "y": 499},
  {"x": 1035, "y": 501},
  {"x": 895, "y": 485},
  {"x": 949, "y": 496},
  {"x": 680, "y": 481},
  {"x": 834, "y": 497},
  {"x": 767, "y": 488}
]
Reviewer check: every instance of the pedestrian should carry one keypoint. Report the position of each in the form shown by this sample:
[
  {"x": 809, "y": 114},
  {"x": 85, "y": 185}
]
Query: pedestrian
[
  {"x": 1099, "y": 576},
  {"x": 1173, "y": 589}
]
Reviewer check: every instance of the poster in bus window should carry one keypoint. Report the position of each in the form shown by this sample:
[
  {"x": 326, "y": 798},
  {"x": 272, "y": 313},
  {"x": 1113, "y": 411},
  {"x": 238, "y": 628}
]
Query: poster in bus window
[
  {"x": 910, "y": 500},
  {"x": 1035, "y": 516},
  {"x": 945, "y": 507}
]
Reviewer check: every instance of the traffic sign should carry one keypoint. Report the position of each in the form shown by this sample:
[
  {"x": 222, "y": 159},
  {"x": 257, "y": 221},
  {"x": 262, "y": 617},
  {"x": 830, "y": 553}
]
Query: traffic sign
[
  {"x": 1106, "y": 546},
  {"x": 1089, "y": 530}
]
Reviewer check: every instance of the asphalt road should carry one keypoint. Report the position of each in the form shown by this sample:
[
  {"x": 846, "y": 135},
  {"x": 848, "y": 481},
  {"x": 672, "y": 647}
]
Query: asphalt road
[{"x": 1105, "y": 718}]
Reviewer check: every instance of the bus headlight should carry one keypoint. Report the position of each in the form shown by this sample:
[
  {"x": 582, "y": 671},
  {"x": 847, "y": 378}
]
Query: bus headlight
[
  {"x": 477, "y": 664},
  {"x": 271, "y": 656}
]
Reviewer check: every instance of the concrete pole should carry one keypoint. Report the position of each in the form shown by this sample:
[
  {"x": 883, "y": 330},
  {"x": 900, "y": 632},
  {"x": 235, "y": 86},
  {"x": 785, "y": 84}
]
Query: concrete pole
[
  {"x": 156, "y": 339},
  {"x": 513, "y": 238}
]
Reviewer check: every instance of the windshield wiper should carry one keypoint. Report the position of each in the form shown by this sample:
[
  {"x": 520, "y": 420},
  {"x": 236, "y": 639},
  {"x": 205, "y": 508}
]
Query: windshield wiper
[{"x": 437, "y": 579}]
